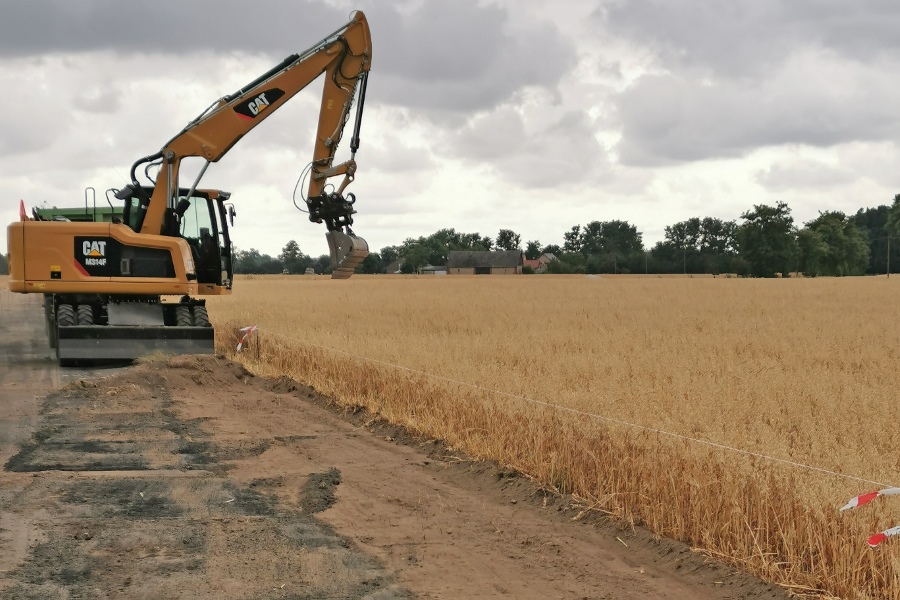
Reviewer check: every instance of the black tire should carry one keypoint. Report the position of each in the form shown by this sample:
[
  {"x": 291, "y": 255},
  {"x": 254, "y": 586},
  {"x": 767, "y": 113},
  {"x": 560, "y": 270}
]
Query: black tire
[
  {"x": 183, "y": 316},
  {"x": 201, "y": 317},
  {"x": 85, "y": 314},
  {"x": 65, "y": 315}
]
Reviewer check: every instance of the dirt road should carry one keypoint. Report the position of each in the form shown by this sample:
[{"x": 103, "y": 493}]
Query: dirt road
[{"x": 190, "y": 478}]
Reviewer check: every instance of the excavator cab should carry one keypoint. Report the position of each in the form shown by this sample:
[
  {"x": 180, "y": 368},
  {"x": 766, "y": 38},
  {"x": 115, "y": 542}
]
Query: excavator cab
[
  {"x": 200, "y": 217},
  {"x": 203, "y": 224}
]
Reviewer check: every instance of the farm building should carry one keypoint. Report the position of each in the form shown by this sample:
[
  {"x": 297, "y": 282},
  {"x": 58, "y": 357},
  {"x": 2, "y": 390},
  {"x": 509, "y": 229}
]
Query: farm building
[
  {"x": 433, "y": 270},
  {"x": 470, "y": 262},
  {"x": 544, "y": 260}
]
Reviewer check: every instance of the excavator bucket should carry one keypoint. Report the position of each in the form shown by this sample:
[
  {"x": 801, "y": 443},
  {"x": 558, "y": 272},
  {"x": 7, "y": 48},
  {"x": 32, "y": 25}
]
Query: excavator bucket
[{"x": 347, "y": 251}]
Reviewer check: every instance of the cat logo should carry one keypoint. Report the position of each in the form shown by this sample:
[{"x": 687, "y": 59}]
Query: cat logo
[
  {"x": 258, "y": 104},
  {"x": 250, "y": 109},
  {"x": 94, "y": 253}
]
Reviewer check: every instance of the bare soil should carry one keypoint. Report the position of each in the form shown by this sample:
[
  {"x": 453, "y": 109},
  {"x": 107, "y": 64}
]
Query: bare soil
[{"x": 191, "y": 478}]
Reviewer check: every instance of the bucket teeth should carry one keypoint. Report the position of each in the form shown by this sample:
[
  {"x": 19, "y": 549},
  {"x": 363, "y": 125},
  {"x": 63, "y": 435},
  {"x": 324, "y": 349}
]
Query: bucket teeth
[{"x": 347, "y": 251}]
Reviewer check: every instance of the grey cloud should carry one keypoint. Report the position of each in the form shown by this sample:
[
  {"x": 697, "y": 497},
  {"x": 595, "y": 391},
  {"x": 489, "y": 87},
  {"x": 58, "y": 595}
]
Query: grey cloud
[
  {"x": 745, "y": 37},
  {"x": 462, "y": 56},
  {"x": 34, "y": 123},
  {"x": 396, "y": 157},
  {"x": 561, "y": 152},
  {"x": 98, "y": 100},
  {"x": 676, "y": 118},
  {"x": 804, "y": 174},
  {"x": 729, "y": 78},
  {"x": 436, "y": 55},
  {"x": 42, "y": 26}
]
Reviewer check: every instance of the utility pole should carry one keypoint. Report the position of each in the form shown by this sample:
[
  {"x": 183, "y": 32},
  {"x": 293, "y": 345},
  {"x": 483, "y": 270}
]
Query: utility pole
[{"x": 889, "y": 258}]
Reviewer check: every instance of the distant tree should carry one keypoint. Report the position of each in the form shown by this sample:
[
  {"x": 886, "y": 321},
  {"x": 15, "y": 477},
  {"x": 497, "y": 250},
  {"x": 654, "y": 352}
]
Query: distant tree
[
  {"x": 293, "y": 259},
  {"x": 4, "y": 264},
  {"x": 389, "y": 254},
  {"x": 696, "y": 245},
  {"x": 290, "y": 251},
  {"x": 322, "y": 265},
  {"x": 717, "y": 237},
  {"x": 371, "y": 264},
  {"x": 812, "y": 250},
  {"x": 893, "y": 217},
  {"x": 892, "y": 232},
  {"x": 552, "y": 249},
  {"x": 569, "y": 262},
  {"x": 572, "y": 239},
  {"x": 508, "y": 239},
  {"x": 666, "y": 257},
  {"x": 846, "y": 245},
  {"x": 474, "y": 241},
  {"x": 875, "y": 222},
  {"x": 611, "y": 237},
  {"x": 270, "y": 265},
  {"x": 611, "y": 246},
  {"x": 415, "y": 259},
  {"x": 532, "y": 250},
  {"x": 685, "y": 235},
  {"x": 766, "y": 240},
  {"x": 253, "y": 261}
]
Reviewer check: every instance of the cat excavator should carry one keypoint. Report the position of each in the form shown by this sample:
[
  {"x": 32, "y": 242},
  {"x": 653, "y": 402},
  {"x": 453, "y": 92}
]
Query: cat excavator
[{"x": 123, "y": 289}]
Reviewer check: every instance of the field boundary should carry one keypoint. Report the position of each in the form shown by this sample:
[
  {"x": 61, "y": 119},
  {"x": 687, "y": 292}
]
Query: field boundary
[{"x": 575, "y": 411}]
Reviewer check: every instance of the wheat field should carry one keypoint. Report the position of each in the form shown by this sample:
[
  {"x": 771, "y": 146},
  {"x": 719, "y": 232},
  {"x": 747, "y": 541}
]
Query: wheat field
[{"x": 641, "y": 396}]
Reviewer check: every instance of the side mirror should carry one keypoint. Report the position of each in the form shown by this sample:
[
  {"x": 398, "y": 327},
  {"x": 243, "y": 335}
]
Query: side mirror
[
  {"x": 231, "y": 213},
  {"x": 182, "y": 207}
]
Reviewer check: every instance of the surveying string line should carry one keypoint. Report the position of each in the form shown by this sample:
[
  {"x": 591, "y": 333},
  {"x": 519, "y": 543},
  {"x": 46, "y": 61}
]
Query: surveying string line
[{"x": 575, "y": 411}]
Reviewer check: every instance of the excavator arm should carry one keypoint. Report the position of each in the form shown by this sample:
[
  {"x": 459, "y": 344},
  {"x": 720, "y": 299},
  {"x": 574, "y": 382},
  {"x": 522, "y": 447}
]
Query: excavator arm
[{"x": 344, "y": 58}]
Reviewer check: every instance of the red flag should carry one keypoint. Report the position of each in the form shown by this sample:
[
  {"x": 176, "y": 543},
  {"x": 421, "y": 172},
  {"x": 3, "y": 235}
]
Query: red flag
[{"x": 23, "y": 216}]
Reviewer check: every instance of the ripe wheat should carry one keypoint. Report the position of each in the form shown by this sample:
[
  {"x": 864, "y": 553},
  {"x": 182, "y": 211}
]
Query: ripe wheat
[{"x": 799, "y": 370}]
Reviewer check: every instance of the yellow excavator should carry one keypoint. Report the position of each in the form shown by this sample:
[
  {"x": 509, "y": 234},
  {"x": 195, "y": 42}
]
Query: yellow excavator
[{"x": 122, "y": 289}]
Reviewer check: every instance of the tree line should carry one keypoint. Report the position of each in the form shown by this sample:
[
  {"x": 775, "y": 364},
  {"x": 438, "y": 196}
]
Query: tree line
[{"x": 764, "y": 242}]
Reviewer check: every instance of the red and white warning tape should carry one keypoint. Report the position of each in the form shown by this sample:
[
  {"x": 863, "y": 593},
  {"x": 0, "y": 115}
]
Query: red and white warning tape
[
  {"x": 247, "y": 332},
  {"x": 880, "y": 537},
  {"x": 864, "y": 499}
]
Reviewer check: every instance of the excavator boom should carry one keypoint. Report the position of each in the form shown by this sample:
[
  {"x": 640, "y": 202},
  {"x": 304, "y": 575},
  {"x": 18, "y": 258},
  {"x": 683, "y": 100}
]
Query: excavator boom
[{"x": 344, "y": 58}]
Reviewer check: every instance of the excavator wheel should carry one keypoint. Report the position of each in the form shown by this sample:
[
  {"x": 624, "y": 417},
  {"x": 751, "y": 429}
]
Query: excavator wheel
[
  {"x": 201, "y": 317},
  {"x": 183, "y": 316},
  {"x": 85, "y": 314},
  {"x": 65, "y": 315}
]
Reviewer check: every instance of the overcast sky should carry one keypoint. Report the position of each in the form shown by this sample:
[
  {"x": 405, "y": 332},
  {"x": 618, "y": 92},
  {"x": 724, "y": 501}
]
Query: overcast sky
[{"x": 520, "y": 114}]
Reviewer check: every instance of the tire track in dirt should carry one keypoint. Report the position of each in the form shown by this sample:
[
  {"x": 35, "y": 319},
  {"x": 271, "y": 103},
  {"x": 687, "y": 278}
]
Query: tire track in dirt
[{"x": 123, "y": 498}]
